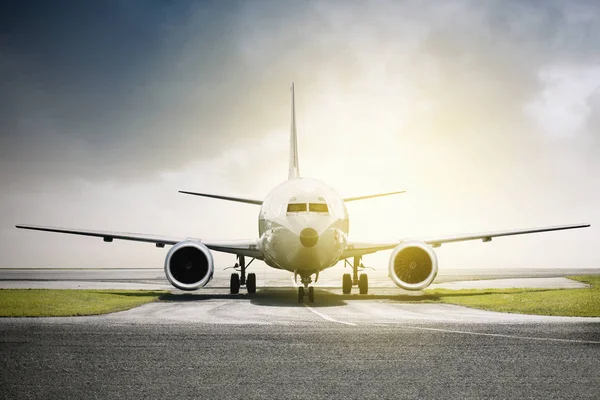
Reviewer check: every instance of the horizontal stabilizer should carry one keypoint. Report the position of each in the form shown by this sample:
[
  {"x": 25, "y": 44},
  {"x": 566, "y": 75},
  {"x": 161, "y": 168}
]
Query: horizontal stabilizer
[
  {"x": 229, "y": 198},
  {"x": 371, "y": 196}
]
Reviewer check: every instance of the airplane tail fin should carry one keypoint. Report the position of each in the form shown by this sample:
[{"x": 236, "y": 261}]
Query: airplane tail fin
[{"x": 294, "y": 171}]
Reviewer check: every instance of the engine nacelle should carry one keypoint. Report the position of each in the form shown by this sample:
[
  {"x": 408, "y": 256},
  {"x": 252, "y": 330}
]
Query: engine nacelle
[
  {"x": 189, "y": 265},
  {"x": 413, "y": 265}
]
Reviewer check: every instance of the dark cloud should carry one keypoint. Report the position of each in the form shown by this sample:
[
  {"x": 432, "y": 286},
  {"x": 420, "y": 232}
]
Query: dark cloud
[{"x": 98, "y": 90}]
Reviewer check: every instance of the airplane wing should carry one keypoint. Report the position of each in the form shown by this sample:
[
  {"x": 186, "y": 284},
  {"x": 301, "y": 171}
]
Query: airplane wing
[
  {"x": 247, "y": 248},
  {"x": 355, "y": 249}
]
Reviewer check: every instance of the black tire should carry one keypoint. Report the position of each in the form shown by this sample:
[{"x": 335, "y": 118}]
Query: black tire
[
  {"x": 251, "y": 283},
  {"x": 234, "y": 284},
  {"x": 301, "y": 295},
  {"x": 311, "y": 294},
  {"x": 346, "y": 284},
  {"x": 363, "y": 284}
]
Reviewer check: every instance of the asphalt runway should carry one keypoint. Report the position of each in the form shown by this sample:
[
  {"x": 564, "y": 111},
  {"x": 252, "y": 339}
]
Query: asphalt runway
[
  {"x": 154, "y": 279},
  {"x": 210, "y": 344},
  {"x": 218, "y": 346}
]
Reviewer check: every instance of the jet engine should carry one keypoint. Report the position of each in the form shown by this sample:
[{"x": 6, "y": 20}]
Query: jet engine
[
  {"x": 189, "y": 265},
  {"x": 413, "y": 265}
]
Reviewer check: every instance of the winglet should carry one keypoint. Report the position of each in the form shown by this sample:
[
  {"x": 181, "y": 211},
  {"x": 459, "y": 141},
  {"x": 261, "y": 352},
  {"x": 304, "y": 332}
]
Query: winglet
[{"x": 294, "y": 171}]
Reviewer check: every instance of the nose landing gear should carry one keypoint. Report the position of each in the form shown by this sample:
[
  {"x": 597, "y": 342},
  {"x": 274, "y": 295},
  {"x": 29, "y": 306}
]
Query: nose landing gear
[
  {"x": 236, "y": 280},
  {"x": 306, "y": 289},
  {"x": 361, "y": 281}
]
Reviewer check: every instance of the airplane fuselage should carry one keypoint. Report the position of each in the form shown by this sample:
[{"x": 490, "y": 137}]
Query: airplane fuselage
[{"x": 303, "y": 226}]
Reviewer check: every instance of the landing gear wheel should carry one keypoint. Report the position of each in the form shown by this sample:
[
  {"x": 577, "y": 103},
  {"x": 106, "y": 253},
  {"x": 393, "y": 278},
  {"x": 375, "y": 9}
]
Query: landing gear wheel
[
  {"x": 311, "y": 294},
  {"x": 301, "y": 295},
  {"x": 234, "y": 284},
  {"x": 251, "y": 283},
  {"x": 363, "y": 284},
  {"x": 346, "y": 284}
]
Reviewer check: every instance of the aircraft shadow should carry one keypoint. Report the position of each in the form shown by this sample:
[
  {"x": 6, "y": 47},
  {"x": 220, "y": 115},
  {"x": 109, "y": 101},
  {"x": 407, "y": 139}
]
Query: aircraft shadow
[{"x": 287, "y": 297}]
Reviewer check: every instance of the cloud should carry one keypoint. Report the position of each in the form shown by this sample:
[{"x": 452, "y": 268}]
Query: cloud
[
  {"x": 566, "y": 101},
  {"x": 460, "y": 102},
  {"x": 136, "y": 89}
]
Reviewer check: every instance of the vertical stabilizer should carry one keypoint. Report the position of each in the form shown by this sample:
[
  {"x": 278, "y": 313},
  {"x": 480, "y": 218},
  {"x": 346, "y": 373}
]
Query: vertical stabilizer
[{"x": 294, "y": 171}]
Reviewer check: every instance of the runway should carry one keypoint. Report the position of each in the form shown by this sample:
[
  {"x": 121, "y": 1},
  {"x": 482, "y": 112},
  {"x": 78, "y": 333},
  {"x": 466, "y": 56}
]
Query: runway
[
  {"x": 210, "y": 344},
  {"x": 154, "y": 279},
  {"x": 268, "y": 346}
]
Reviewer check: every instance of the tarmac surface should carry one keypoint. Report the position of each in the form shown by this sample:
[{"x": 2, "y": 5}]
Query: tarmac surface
[
  {"x": 213, "y": 345},
  {"x": 154, "y": 279}
]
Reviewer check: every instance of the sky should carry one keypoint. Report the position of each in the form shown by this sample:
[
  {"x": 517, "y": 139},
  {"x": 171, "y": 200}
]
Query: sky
[{"x": 486, "y": 112}]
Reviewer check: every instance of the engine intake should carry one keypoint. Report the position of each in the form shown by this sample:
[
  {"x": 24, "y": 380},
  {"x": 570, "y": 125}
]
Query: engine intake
[
  {"x": 413, "y": 265},
  {"x": 189, "y": 265}
]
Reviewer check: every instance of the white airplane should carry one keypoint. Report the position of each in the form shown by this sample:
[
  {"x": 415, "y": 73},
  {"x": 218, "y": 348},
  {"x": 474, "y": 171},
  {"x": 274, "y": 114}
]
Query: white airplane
[{"x": 303, "y": 228}]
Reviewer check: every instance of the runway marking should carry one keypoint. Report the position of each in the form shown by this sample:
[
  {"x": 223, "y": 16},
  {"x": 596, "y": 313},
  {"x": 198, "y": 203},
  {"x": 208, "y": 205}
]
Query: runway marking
[
  {"x": 504, "y": 336},
  {"x": 327, "y": 317},
  {"x": 324, "y": 316}
]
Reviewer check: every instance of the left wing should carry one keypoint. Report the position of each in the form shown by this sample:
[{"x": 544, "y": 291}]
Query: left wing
[
  {"x": 355, "y": 249},
  {"x": 487, "y": 236},
  {"x": 247, "y": 248}
]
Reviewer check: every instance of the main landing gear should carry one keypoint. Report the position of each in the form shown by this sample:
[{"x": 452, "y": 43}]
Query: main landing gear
[
  {"x": 306, "y": 289},
  {"x": 240, "y": 279},
  {"x": 361, "y": 281}
]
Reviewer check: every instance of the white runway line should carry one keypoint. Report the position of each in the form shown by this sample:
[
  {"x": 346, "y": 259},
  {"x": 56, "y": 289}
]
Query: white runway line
[
  {"x": 327, "y": 317},
  {"x": 503, "y": 336}
]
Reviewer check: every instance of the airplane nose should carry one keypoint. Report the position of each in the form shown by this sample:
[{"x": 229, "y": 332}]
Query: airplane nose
[{"x": 309, "y": 237}]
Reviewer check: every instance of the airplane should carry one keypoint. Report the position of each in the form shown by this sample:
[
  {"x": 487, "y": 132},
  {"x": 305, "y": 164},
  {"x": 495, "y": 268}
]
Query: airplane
[{"x": 303, "y": 228}]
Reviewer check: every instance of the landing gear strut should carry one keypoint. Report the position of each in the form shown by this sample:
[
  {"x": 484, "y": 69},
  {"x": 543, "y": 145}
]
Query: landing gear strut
[
  {"x": 362, "y": 280},
  {"x": 306, "y": 289},
  {"x": 236, "y": 280}
]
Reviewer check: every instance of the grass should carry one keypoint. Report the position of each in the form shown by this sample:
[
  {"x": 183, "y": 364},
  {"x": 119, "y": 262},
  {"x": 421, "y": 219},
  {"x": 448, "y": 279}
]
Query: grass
[
  {"x": 583, "y": 302},
  {"x": 63, "y": 303}
]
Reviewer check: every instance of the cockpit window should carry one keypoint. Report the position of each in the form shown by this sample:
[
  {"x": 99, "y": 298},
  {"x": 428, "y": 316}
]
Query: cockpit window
[
  {"x": 296, "y": 207},
  {"x": 318, "y": 207}
]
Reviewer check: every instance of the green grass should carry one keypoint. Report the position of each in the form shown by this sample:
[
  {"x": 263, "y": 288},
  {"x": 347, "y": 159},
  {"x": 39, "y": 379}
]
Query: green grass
[
  {"x": 583, "y": 302},
  {"x": 63, "y": 303},
  {"x": 60, "y": 303}
]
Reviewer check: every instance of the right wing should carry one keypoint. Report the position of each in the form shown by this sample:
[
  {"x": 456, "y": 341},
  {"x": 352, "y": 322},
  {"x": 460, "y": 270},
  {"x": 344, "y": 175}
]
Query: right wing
[
  {"x": 229, "y": 198},
  {"x": 247, "y": 248}
]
